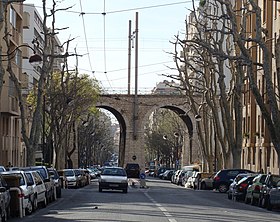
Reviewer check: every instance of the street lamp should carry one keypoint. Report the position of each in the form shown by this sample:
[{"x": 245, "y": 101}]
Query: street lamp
[{"x": 176, "y": 135}]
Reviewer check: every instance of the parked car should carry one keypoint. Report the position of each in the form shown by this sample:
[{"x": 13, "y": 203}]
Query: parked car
[
  {"x": 167, "y": 174},
  {"x": 48, "y": 181},
  {"x": 253, "y": 190},
  {"x": 132, "y": 170},
  {"x": 2, "y": 169},
  {"x": 114, "y": 178},
  {"x": 199, "y": 176},
  {"x": 92, "y": 173},
  {"x": 160, "y": 170},
  {"x": 270, "y": 183},
  {"x": 58, "y": 182},
  {"x": 18, "y": 179},
  {"x": 224, "y": 178},
  {"x": 179, "y": 178},
  {"x": 71, "y": 179},
  {"x": 5, "y": 199},
  {"x": 240, "y": 189},
  {"x": 234, "y": 182},
  {"x": 190, "y": 180},
  {"x": 174, "y": 176},
  {"x": 186, "y": 178},
  {"x": 206, "y": 182},
  {"x": 274, "y": 197},
  {"x": 40, "y": 191}
]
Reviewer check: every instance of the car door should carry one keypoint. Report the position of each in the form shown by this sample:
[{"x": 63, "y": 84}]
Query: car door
[{"x": 41, "y": 188}]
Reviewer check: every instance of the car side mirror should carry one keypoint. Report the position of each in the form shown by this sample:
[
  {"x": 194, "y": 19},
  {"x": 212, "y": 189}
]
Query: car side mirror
[
  {"x": 47, "y": 180},
  {"x": 2, "y": 189}
]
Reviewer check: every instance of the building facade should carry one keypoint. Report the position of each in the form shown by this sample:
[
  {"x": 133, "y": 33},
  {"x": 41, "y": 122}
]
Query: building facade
[
  {"x": 11, "y": 150},
  {"x": 258, "y": 153}
]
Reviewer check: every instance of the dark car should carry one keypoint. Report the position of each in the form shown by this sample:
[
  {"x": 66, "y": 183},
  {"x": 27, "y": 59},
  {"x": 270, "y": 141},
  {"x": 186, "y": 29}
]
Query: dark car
[
  {"x": 240, "y": 189},
  {"x": 132, "y": 170},
  {"x": 57, "y": 181},
  {"x": 224, "y": 178},
  {"x": 234, "y": 183},
  {"x": 270, "y": 184},
  {"x": 5, "y": 199},
  {"x": 167, "y": 174}
]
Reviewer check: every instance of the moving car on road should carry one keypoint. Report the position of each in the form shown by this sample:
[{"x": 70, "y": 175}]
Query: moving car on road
[{"x": 113, "y": 178}]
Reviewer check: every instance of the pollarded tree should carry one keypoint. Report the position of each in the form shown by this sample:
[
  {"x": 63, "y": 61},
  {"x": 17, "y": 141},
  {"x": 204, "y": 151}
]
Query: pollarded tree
[{"x": 69, "y": 98}]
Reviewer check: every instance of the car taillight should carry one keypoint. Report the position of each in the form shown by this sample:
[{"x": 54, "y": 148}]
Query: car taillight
[
  {"x": 242, "y": 186},
  {"x": 257, "y": 188},
  {"x": 216, "y": 178},
  {"x": 20, "y": 195}
]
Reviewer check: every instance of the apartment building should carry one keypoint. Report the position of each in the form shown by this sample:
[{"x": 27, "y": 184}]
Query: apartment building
[
  {"x": 258, "y": 153},
  {"x": 11, "y": 149}
]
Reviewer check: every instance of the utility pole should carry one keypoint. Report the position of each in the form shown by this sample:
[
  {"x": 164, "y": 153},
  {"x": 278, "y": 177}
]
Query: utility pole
[
  {"x": 135, "y": 107},
  {"x": 129, "y": 57}
]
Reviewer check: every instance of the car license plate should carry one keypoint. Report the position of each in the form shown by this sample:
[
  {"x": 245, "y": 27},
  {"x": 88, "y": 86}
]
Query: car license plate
[{"x": 113, "y": 185}]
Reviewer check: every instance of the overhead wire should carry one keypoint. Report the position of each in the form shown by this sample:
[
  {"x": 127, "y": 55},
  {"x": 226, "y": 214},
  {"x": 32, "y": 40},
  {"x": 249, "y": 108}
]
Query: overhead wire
[
  {"x": 85, "y": 34},
  {"x": 104, "y": 44},
  {"x": 124, "y": 10}
]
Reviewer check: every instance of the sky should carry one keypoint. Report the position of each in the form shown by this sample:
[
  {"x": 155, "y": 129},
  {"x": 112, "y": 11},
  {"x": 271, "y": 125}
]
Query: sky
[{"x": 102, "y": 39}]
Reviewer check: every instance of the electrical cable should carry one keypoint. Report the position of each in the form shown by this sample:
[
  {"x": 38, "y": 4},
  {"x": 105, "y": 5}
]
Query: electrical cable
[
  {"x": 123, "y": 10},
  {"x": 85, "y": 34},
  {"x": 104, "y": 44}
]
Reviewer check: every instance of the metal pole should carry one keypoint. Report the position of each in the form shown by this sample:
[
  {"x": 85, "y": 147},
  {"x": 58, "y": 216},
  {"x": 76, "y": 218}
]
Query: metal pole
[
  {"x": 129, "y": 57},
  {"x": 135, "y": 108}
]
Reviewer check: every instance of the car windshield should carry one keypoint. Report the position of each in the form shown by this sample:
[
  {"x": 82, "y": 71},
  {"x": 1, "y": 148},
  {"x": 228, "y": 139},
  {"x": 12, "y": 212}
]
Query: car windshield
[
  {"x": 114, "y": 172},
  {"x": 69, "y": 173}
]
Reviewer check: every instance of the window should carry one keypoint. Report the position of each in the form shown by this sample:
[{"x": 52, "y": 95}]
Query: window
[
  {"x": 13, "y": 17},
  {"x": 18, "y": 58},
  {"x": 264, "y": 10}
]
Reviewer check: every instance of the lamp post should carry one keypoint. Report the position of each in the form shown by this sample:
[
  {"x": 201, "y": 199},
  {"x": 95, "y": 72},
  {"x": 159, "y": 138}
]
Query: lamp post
[
  {"x": 197, "y": 119},
  {"x": 176, "y": 135}
]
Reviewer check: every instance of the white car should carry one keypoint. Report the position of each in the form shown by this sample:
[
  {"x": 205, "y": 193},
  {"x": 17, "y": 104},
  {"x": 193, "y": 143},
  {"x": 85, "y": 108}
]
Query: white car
[
  {"x": 18, "y": 180},
  {"x": 40, "y": 196},
  {"x": 113, "y": 178}
]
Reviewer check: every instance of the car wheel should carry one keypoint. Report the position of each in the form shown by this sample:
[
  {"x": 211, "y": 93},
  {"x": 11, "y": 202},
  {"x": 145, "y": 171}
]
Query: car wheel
[
  {"x": 44, "y": 203},
  {"x": 268, "y": 204},
  {"x": 8, "y": 212},
  {"x": 35, "y": 204},
  {"x": 125, "y": 190},
  {"x": 252, "y": 201},
  {"x": 4, "y": 217},
  {"x": 203, "y": 186},
  {"x": 59, "y": 193},
  {"x": 263, "y": 202},
  {"x": 100, "y": 189},
  {"x": 247, "y": 200},
  {"x": 29, "y": 208},
  {"x": 223, "y": 188}
]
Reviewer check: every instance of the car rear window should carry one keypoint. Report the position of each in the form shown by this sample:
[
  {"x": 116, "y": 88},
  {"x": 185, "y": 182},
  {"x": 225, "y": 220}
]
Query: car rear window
[
  {"x": 114, "y": 172},
  {"x": 132, "y": 166}
]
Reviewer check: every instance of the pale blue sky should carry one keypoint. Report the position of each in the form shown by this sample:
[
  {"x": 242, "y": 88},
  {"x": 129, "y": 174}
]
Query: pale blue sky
[{"x": 157, "y": 26}]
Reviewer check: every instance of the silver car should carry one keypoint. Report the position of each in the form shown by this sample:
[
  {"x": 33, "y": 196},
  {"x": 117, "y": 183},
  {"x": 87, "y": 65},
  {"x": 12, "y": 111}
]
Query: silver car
[{"x": 113, "y": 178}]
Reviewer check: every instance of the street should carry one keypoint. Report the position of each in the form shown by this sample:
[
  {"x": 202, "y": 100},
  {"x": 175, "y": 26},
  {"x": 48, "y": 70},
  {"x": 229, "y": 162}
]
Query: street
[{"x": 161, "y": 201}]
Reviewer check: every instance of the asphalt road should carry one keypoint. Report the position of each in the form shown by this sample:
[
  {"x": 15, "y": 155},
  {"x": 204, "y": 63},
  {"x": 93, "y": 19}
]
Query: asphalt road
[{"x": 160, "y": 202}]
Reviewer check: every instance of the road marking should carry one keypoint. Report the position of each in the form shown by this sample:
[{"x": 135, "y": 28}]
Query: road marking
[{"x": 162, "y": 209}]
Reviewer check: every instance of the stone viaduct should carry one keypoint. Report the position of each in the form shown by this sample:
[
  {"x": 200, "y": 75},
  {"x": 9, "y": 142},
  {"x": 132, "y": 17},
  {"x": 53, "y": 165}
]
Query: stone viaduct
[{"x": 133, "y": 112}]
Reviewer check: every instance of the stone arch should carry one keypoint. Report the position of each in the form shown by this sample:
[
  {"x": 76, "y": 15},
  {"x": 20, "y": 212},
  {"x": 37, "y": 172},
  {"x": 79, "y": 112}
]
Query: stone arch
[
  {"x": 122, "y": 125},
  {"x": 186, "y": 118}
]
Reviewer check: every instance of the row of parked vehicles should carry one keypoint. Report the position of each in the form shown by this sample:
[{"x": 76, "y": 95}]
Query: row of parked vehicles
[
  {"x": 239, "y": 184},
  {"x": 24, "y": 189}
]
